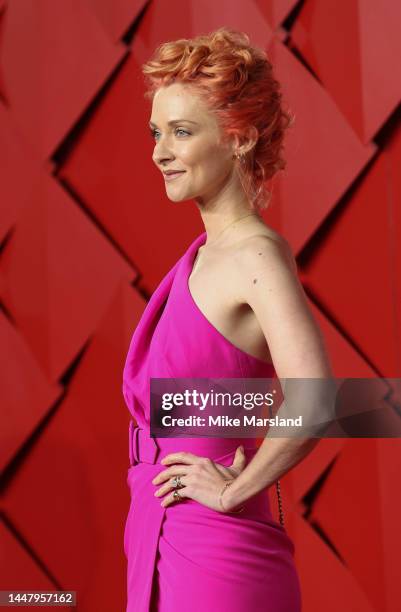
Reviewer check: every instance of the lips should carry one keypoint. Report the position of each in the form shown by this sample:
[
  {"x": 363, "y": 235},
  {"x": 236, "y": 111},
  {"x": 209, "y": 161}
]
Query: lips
[{"x": 173, "y": 175}]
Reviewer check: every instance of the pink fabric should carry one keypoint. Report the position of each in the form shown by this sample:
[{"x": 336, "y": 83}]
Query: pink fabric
[{"x": 187, "y": 556}]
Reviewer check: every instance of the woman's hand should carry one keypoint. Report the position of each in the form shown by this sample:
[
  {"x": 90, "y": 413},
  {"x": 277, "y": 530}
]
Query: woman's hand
[{"x": 203, "y": 479}]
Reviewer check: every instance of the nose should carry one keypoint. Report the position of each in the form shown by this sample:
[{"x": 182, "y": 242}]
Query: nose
[
  {"x": 161, "y": 159},
  {"x": 161, "y": 154}
]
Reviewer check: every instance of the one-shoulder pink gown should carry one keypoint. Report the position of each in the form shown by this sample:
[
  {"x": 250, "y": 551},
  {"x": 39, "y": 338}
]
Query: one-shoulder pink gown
[{"x": 188, "y": 557}]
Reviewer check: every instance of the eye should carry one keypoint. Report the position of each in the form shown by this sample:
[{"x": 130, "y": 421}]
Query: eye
[
  {"x": 184, "y": 131},
  {"x": 154, "y": 132}
]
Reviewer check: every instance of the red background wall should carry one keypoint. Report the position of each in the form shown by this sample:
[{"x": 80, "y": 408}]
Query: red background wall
[{"x": 82, "y": 208}]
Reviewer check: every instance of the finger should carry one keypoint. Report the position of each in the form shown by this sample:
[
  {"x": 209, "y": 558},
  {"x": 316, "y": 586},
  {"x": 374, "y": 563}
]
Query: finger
[
  {"x": 169, "y": 499},
  {"x": 168, "y": 487},
  {"x": 239, "y": 459},
  {"x": 181, "y": 457},
  {"x": 173, "y": 470}
]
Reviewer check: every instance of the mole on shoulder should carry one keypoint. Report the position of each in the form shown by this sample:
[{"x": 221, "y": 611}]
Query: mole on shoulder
[{"x": 255, "y": 280}]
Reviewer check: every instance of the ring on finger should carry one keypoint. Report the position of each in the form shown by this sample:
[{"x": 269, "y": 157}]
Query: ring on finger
[
  {"x": 177, "y": 484},
  {"x": 177, "y": 497}
]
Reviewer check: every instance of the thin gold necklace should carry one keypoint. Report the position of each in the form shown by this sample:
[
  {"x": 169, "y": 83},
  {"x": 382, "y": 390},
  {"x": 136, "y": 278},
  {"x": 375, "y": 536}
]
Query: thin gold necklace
[{"x": 220, "y": 233}]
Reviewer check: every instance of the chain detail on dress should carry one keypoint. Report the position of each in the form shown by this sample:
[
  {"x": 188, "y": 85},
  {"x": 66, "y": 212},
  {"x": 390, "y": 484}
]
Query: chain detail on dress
[{"x": 280, "y": 503}]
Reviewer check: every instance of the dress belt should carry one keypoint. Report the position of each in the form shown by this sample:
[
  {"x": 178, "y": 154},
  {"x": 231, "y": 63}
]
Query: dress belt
[{"x": 142, "y": 448}]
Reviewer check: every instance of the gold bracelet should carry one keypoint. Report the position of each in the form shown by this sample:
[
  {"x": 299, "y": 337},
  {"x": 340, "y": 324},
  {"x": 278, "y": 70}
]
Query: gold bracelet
[{"x": 227, "y": 484}]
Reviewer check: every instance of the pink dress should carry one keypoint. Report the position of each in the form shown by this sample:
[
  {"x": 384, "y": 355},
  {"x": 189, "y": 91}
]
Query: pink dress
[{"x": 187, "y": 556}]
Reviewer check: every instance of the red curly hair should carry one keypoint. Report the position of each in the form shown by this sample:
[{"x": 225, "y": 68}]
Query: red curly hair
[{"x": 236, "y": 82}]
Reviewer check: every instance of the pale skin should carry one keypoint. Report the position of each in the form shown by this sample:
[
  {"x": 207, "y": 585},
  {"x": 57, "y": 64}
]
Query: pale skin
[{"x": 245, "y": 282}]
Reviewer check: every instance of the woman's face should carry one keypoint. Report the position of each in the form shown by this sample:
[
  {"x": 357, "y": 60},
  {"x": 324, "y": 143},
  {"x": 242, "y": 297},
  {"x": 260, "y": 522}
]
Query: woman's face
[{"x": 189, "y": 139}]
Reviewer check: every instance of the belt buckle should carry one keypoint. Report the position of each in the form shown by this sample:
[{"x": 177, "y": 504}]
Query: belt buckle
[{"x": 133, "y": 431}]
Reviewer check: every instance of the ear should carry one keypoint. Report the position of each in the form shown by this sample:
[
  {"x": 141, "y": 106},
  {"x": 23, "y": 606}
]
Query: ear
[
  {"x": 246, "y": 142},
  {"x": 251, "y": 138},
  {"x": 234, "y": 144}
]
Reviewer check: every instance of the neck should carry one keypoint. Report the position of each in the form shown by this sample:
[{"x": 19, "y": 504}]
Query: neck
[
  {"x": 230, "y": 224},
  {"x": 216, "y": 221},
  {"x": 221, "y": 206}
]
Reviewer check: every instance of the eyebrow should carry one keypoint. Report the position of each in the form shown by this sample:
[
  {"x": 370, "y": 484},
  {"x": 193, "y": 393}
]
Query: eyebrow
[{"x": 174, "y": 121}]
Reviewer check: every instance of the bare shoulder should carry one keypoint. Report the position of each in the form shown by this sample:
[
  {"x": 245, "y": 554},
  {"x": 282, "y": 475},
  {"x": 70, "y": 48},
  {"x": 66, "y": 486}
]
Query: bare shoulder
[
  {"x": 264, "y": 250},
  {"x": 267, "y": 280}
]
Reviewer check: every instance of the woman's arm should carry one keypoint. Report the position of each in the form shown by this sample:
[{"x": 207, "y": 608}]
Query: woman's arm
[{"x": 267, "y": 280}]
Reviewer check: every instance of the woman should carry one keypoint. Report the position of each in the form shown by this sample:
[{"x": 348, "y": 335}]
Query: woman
[{"x": 199, "y": 533}]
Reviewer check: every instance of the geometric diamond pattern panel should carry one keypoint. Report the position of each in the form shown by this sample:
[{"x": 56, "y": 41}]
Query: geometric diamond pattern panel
[{"x": 82, "y": 208}]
